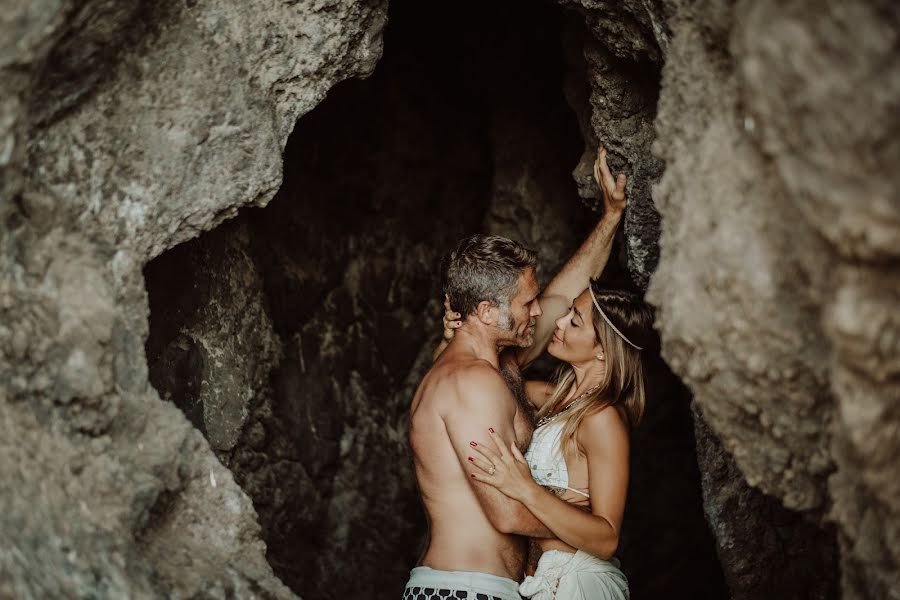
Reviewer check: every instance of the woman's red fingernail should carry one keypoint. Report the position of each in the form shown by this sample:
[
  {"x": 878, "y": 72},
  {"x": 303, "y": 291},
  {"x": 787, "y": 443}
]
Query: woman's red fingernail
[
  {"x": 473, "y": 444},
  {"x": 473, "y": 475},
  {"x": 471, "y": 459},
  {"x": 491, "y": 429}
]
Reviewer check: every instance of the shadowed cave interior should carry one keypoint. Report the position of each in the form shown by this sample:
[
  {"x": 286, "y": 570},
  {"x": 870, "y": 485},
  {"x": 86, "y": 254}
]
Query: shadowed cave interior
[{"x": 293, "y": 336}]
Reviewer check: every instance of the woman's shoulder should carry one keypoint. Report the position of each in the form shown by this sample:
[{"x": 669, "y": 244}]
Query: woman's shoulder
[{"x": 605, "y": 426}]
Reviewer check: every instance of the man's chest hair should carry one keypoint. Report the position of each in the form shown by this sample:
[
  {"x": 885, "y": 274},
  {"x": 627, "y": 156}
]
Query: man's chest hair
[{"x": 513, "y": 378}]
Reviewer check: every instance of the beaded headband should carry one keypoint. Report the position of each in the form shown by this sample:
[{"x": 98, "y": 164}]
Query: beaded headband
[{"x": 608, "y": 322}]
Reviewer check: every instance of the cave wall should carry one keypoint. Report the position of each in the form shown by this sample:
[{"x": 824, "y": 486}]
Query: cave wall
[
  {"x": 777, "y": 268},
  {"x": 777, "y": 280},
  {"x": 767, "y": 550},
  {"x": 626, "y": 46},
  {"x": 122, "y": 129}
]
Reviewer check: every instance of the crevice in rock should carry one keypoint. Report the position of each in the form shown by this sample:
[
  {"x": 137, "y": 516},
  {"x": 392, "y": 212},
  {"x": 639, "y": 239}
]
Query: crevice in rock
[{"x": 754, "y": 529}]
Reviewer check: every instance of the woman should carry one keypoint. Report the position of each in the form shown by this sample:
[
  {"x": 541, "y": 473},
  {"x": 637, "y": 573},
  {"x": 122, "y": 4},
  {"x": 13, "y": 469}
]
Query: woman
[{"x": 574, "y": 476}]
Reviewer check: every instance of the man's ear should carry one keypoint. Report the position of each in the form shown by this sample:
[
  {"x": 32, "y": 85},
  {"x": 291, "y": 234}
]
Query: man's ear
[{"x": 486, "y": 312}]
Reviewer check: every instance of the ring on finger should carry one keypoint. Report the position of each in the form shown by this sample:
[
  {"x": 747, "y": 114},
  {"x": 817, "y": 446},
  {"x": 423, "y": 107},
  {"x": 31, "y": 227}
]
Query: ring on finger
[{"x": 492, "y": 470}]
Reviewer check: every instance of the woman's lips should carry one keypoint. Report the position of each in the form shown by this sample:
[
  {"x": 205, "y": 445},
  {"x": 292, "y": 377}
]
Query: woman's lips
[{"x": 556, "y": 339}]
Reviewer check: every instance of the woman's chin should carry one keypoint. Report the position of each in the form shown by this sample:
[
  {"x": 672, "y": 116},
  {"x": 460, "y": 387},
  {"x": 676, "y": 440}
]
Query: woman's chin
[{"x": 551, "y": 349}]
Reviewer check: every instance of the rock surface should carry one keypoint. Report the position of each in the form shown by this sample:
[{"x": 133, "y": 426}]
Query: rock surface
[
  {"x": 778, "y": 273},
  {"x": 754, "y": 530},
  {"x": 121, "y": 130},
  {"x": 618, "y": 110}
]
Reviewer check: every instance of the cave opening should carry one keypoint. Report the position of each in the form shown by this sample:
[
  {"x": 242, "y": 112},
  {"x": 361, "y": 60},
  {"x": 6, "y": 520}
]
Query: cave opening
[{"x": 293, "y": 335}]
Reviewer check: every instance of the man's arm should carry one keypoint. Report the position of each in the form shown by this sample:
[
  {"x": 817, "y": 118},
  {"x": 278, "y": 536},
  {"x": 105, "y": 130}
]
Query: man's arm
[
  {"x": 588, "y": 262},
  {"x": 484, "y": 401}
]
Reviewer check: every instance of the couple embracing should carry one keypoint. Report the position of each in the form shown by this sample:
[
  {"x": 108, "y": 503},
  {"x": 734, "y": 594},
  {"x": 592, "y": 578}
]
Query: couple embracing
[{"x": 500, "y": 461}]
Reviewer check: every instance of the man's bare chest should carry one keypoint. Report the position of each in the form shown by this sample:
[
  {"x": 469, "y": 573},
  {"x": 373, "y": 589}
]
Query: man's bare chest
[{"x": 524, "y": 419}]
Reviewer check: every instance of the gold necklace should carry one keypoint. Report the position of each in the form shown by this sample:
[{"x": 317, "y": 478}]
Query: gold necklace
[{"x": 546, "y": 419}]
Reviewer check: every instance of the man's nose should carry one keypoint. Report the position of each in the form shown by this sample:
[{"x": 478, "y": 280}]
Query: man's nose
[{"x": 536, "y": 309}]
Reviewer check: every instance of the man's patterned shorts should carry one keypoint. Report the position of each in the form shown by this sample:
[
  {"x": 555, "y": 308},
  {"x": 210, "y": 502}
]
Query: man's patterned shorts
[
  {"x": 429, "y": 584},
  {"x": 420, "y": 593}
]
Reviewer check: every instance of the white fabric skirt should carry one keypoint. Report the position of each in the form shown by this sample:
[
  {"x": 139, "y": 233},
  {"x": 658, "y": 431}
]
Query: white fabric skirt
[{"x": 579, "y": 576}]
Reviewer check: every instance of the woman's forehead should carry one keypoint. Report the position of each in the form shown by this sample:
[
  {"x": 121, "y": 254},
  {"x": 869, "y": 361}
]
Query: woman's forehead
[
  {"x": 583, "y": 300},
  {"x": 584, "y": 304}
]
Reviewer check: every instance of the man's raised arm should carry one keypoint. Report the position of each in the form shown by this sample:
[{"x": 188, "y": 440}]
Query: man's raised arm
[
  {"x": 484, "y": 401},
  {"x": 588, "y": 261}
]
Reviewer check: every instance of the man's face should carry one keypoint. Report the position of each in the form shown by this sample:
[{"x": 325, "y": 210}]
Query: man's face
[{"x": 517, "y": 320}]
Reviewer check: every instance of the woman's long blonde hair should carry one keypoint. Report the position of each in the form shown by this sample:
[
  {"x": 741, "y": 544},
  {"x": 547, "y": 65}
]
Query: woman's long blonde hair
[{"x": 623, "y": 383}]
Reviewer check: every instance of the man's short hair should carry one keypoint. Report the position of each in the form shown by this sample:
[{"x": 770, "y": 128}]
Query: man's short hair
[{"x": 484, "y": 267}]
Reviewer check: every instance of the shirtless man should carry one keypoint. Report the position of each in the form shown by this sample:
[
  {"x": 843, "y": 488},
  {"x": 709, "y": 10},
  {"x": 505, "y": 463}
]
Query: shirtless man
[{"x": 478, "y": 536}]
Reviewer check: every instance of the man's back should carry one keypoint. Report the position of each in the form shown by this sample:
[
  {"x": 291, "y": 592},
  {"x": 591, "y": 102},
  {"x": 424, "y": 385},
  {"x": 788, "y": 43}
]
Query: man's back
[{"x": 459, "y": 398}]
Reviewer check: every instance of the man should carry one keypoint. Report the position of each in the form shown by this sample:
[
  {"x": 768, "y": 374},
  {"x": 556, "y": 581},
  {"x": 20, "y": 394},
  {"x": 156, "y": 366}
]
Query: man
[{"x": 478, "y": 537}]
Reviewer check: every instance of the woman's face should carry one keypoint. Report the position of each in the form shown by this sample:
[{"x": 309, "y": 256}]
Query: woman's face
[{"x": 574, "y": 340}]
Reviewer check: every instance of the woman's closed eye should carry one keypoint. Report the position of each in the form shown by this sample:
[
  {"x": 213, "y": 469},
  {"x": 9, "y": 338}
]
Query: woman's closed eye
[
  {"x": 572, "y": 312},
  {"x": 574, "y": 316}
]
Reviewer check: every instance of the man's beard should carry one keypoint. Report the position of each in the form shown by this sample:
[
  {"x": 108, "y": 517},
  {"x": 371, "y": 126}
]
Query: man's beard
[{"x": 506, "y": 323}]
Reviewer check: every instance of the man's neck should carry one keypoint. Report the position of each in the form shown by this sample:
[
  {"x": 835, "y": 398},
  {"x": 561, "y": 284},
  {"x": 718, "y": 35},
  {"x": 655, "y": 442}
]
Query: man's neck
[{"x": 478, "y": 342}]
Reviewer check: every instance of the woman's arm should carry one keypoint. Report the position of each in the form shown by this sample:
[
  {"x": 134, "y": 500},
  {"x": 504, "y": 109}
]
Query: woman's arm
[
  {"x": 604, "y": 440},
  {"x": 451, "y": 324},
  {"x": 587, "y": 263}
]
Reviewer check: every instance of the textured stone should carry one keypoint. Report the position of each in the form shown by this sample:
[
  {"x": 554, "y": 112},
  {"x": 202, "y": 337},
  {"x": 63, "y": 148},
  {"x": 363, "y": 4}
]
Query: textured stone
[
  {"x": 799, "y": 553},
  {"x": 198, "y": 100},
  {"x": 779, "y": 255},
  {"x": 212, "y": 344},
  {"x": 618, "y": 111},
  {"x": 121, "y": 131}
]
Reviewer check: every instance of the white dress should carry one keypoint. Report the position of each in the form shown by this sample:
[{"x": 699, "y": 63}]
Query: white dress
[{"x": 565, "y": 575}]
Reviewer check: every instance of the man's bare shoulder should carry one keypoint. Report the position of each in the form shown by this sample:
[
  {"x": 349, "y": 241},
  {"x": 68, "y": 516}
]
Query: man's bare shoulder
[
  {"x": 467, "y": 380},
  {"x": 462, "y": 366}
]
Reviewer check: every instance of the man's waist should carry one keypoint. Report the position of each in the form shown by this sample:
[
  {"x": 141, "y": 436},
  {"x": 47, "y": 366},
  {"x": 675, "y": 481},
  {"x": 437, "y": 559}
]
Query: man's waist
[{"x": 506, "y": 561}]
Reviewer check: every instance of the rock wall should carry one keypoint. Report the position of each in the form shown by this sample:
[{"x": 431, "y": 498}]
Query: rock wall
[
  {"x": 778, "y": 270},
  {"x": 122, "y": 131},
  {"x": 622, "y": 69},
  {"x": 778, "y": 261},
  {"x": 767, "y": 551}
]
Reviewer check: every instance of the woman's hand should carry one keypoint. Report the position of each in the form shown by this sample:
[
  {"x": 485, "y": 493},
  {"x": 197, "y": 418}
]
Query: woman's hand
[
  {"x": 613, "y": 189},
  {"x": 503, "y": 468},
  {"x": 452, "y": 320}
]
